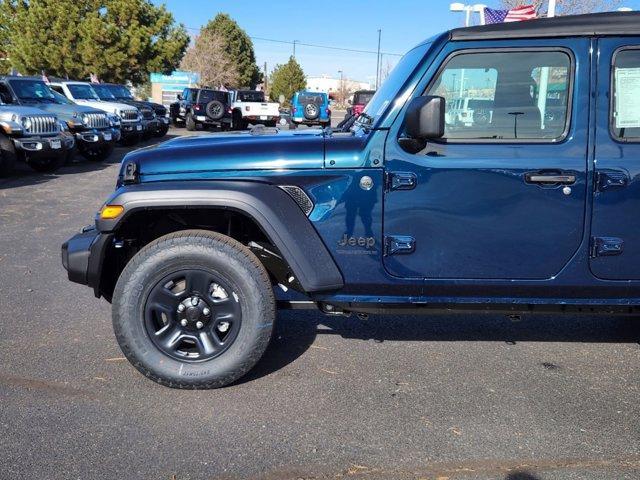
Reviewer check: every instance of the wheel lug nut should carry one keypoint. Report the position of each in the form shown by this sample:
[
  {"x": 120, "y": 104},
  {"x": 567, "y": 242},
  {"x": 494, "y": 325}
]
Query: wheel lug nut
[
  {"x": 181, "y": 308},
  {"x": 206, "y": 311},
  {"x": 223, "y": 327},
  {"x": 183, "y": 322},
  {"x": 199, "y": 324},
  {"x": 194, "y": 301}
]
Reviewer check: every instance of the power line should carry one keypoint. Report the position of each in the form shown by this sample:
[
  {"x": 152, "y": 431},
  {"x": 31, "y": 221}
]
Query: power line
[{"x": 313, "y": 45}]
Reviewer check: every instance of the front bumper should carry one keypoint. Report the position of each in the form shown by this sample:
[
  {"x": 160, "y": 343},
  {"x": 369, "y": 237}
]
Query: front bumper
[
  {"x": 38, "y": 147},
  {"x": 130, "y": 129},
  {"x": 150, "y": 126},
  {"x": 82, "y": 256},
  {"x": 88, "y": 139}
]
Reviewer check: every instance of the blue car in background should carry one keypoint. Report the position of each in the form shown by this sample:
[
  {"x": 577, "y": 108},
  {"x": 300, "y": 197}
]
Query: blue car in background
[{"x": 310, "y": 108}]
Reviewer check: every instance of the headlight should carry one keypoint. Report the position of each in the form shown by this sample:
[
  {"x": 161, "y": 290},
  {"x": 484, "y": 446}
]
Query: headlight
[
  {"x": 84, "y": 118},
  {"x": 26, "y": 123},
  {"x": 114, "y": 120}
]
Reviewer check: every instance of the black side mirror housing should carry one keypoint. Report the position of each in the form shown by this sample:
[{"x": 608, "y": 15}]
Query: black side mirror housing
[
  {"x": 424, "y": 118},
  {"x": 179, "y": 96}
]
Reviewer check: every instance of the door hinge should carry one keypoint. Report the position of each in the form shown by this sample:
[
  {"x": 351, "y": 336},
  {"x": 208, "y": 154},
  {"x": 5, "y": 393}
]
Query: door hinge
[
  {"x": 606, "y": 246},
  {"x": 400, "y": 181},
  {"x": 399, "y": 245},
  {"x": 606, "y": 179}
]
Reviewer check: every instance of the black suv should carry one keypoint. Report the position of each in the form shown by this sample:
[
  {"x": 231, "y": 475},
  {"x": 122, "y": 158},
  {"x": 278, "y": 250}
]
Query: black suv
[
  {"x": 202, "y": 106},
  {"x": 122, "y": 94}
]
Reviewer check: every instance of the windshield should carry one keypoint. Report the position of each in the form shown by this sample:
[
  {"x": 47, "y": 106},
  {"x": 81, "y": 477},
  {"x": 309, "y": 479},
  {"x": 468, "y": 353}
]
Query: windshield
[
  {"x": 316, "y": 98},
  {"x": 251, "y": 96},
  {"x": 208, "y": 95},
  {"x": 362, "y": 98},
  {"x": 103, "y": 92},
  {"x": 82, "y": 92},
  {"x": 119, "y": 91},
  {"x": 32, "y": 90},
  {"x": 392, "y": 85},
  {"x": 61, "y": 98}
]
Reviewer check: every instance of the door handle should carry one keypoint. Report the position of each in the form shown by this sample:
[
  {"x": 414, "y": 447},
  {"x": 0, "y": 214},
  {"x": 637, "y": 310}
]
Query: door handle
[{"x": 550, "y": 178}]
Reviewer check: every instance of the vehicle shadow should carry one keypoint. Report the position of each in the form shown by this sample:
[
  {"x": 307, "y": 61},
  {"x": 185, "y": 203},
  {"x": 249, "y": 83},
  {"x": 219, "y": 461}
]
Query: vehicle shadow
[
  {"x": 521, "y": 475},
  {"x": 296, "y": 331},
  {"x": 24, "y": 176}
]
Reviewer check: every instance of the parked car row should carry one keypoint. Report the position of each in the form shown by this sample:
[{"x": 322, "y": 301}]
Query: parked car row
[
  {"x": 226, "y": 110},
  {"x": 44, "y": 124}
]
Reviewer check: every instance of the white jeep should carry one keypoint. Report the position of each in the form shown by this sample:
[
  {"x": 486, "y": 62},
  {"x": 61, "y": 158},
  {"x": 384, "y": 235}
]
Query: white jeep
[{"x": 250, "y": 106}]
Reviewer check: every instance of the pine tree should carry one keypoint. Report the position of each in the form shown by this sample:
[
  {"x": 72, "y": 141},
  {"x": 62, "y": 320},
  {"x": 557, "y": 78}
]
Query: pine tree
[
  {"x": 286, "y": 80},
  {"x": 238, "y": 46},
  {"x": 118, "y": 40}
]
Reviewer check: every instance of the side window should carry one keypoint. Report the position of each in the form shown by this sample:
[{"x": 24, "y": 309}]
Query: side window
[
  {"x": 57, "y": 88},
  {"x": 625, "y": 115},
  {"x": 185, "y": 94},
  {"x": 5, "y": 94},
  {"x": 505, "y": 95}
]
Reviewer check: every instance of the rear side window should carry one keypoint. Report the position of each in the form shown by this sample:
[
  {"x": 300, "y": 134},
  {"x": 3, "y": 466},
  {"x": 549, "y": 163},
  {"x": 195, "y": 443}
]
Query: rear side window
[
  {"x": 625, "y": 104},
  {"x": 505, "y": 95}
]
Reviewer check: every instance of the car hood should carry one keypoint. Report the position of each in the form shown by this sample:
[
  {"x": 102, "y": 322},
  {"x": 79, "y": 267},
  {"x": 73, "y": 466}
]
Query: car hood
[
  {"x": 235, "y": 151},
  {"x": 9, "y": 110},
  {"x": 111, "y": 107},
  {"x": 142, "y": 103},
  {"x": 66, "y": 111}
]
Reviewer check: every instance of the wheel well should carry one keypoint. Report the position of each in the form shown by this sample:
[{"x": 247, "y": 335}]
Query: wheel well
[{"x": 142, "y": 227}]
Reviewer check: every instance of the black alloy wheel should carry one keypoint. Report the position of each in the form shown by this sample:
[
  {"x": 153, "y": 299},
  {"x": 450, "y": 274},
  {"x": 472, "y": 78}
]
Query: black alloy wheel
[{"x": 192, "y": 315}]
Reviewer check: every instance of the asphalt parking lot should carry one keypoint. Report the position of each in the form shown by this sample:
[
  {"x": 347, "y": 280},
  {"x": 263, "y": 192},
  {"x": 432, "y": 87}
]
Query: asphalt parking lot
[{"x": 440, "y": 397}]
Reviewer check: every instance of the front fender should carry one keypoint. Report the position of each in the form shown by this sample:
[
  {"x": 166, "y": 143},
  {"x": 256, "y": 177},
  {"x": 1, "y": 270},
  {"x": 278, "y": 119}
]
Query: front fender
[{"x": 280, "y": 218}]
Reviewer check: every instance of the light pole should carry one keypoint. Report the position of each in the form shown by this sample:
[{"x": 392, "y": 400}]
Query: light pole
[
  {"x": 341, "y": 86},
  {"x": 378, "y": 60}
]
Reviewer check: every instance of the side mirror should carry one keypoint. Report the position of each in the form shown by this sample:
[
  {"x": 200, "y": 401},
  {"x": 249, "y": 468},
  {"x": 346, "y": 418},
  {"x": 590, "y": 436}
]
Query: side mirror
[
  {"x": 425, "y": 117},
  {"x": 349, "y": 102},
  {"x": 179, "y": 96}
]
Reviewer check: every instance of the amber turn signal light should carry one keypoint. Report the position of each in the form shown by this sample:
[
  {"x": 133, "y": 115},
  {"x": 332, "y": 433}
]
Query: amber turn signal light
[{"x": 109, "y": 212}]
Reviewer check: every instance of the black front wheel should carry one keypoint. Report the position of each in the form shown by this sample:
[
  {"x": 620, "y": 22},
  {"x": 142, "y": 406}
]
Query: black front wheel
[
  {"x": 194, "y": 309},
  {"x": 7, "y": 156},
  {"x": 98, "y": 154},
  {"x": 47, "y": 165},
  {"x": 162, "y": 131}
]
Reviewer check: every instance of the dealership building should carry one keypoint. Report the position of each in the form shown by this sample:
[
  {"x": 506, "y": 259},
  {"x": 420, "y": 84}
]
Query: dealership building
[{"x": 165, "y": 88}]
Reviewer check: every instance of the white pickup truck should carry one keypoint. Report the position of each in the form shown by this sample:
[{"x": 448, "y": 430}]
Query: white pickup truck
[{"x": 250, "y": 106}]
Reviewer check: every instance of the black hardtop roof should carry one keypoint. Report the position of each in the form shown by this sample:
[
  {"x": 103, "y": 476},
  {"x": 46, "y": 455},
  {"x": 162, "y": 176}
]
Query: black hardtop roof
[
  {"x": 20, "y": 77},
  {"x": 593, "y": 24}
]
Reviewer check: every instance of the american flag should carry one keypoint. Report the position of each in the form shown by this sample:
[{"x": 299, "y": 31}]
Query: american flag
[
  {"x": 525, "y": 12},
  {"x": 45, "y": 79},
  {"x": 93, "y": 78}
]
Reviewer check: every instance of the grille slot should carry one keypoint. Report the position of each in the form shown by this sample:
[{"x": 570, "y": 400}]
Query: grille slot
[
  {"x": 147, "y": 114},
  {"x": 43, "y": 125},
  {"x": 97, "y": 120},
  {"x": 300, "y": 197},
  {"x": 129, "y": 115}
]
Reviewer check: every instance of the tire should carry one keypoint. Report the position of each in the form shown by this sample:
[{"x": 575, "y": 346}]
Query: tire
[
  {"x": 311, "y": 111},
  {"x": 238, "y": 122},
  {"x": 215, "y": 109},
  {"x": 164, "y": 129},
  {"x": 8, "y": 156},
  {"x": 177, "y": 122},
  {"x": 190, "y": 123},
  {"x": 325, "y": 124},
  {"x": 47, "y": 165},
  {"x": 204, "y": 255},
  {"x": 130, "y": 140},
  {"x": 100, "y": 154}
]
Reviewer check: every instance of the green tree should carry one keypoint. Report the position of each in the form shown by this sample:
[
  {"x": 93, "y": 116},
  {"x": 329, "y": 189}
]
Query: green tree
[
  {"x": 238, "y": 46},
  {"x": 286, "y": 80},
  {"x": 118, "y": 40}
]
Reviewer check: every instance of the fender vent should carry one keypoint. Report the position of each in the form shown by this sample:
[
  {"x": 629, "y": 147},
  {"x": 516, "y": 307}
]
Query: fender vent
[{"x": 300, "y": 197}]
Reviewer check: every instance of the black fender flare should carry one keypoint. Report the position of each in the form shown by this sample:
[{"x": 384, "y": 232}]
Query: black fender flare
[{"x": 280, "y": 218}]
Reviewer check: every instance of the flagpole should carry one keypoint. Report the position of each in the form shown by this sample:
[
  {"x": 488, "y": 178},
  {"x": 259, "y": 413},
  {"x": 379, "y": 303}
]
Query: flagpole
[{"x": 544, "y": 75}]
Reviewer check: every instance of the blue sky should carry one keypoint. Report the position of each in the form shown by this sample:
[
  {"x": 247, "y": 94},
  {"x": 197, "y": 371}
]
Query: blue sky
[{"x": 341, "y": 23}]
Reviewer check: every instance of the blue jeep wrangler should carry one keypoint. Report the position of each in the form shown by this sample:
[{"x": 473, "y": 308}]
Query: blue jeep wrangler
[
  {"x": 532, "y": 210},
  {"x": 310, "y": 108}
]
